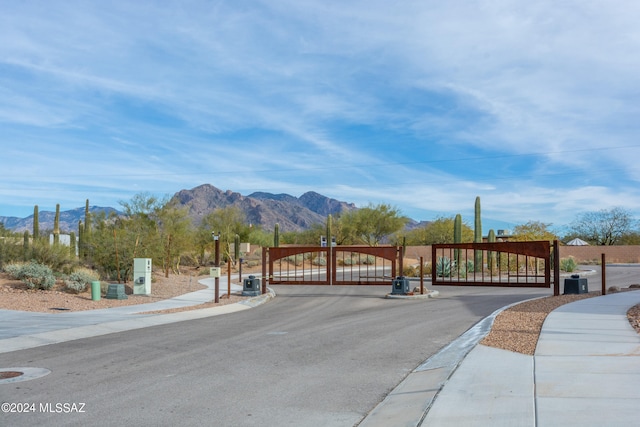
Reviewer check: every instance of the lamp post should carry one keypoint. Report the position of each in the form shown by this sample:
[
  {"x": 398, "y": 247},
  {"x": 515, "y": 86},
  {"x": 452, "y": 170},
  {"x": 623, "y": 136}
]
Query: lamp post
[{"x": 216, "y": 239}]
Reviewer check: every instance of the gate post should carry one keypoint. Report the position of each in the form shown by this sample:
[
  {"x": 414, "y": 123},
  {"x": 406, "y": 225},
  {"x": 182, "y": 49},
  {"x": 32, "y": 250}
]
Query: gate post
[
  {"x": 604, "y": 274},
  {"x": 556, "y": 269},
  {"x": 264, "y": 269}
]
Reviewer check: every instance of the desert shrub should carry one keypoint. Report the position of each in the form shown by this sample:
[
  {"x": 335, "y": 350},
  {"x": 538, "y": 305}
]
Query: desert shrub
[
  {"x": 55, "y": 256},
  {"x": 80, "y": 279},
  {"x": 33, "y": 274},
  {"x": 410, "y": 271},
  {"x": 10, "y": 251},
  {"x": 347, "y": 261},
  {"x": 295, "y": 259},
  {"x": 14, "y": 269},
  {"x": 568, "y": 264},
  {"x": 427, "y": 269},
  {"x": 443, "y": 267},
  {"x": 470, "y": 266},
  {"x": 368, "y": 260},
  {"x": 319, "y": 261}
]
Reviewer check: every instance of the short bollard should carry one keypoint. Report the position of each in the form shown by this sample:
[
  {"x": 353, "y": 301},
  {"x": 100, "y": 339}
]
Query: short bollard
[{"x": 95, "y": 290}]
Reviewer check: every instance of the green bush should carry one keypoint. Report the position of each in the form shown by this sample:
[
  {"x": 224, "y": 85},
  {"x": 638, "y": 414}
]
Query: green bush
[
  {"x": 368, "y": 260},
  {"x": 319, "y": 261},
  {"x": 295, "y": 259},
  {"x": 33, "y": 274},
  {"x": 568, "y": 264},
  {"x": 443, "y": 267},
  {"x": 347, "y": 261},
  {"x": 14, "y": 269},
  {"x": 79, "y": 280},
  {"x": 410, "y": 271},
  {"x": 55, "y": 256}
]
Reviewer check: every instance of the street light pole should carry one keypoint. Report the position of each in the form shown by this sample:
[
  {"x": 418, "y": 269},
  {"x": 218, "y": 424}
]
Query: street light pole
[{"x": 216, "y": 239}]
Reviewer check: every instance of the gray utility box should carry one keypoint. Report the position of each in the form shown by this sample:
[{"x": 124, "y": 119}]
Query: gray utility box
[
  {"x": 251, "y": 286},
  {"x": 576, "y": 285},
  {"x": 400, "y": 286}
]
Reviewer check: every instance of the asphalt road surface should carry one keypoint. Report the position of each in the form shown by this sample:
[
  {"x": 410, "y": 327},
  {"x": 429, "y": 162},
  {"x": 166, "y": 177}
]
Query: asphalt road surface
[{"x": 313, "y": 356}]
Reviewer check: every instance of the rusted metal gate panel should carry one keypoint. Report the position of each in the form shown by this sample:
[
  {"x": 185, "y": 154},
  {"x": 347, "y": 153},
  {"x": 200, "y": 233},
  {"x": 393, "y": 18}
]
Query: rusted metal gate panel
[
  {"x": 339, "y": 265},
  {"x": 518, "y": 264},
  {"x": 365, "y": 265}
]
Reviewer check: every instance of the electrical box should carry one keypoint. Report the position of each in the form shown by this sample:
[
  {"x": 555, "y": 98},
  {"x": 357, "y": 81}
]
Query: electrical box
[
  {"x": 576, "y": 285},
  {"x": 251, "y": 287},
  {"x": 400, "y": 286},
  {"x": 142, "y": 276}
]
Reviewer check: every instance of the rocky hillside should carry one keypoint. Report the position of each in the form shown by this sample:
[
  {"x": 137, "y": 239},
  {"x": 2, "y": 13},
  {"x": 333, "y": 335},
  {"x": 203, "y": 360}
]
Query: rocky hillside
[
  {"x": 265, "y": 209},
  {"x": 68, "y": 219}
]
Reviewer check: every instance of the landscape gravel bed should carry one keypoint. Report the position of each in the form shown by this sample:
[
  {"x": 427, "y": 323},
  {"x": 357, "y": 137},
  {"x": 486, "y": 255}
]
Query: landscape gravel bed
[{"x": 15, "y": 295}]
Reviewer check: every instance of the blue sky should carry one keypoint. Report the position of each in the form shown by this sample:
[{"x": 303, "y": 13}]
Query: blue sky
[{"x": 424, "y": 105}]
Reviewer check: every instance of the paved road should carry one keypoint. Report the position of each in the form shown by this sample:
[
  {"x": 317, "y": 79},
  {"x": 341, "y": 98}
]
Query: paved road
[{"x": 315, "y": 355}]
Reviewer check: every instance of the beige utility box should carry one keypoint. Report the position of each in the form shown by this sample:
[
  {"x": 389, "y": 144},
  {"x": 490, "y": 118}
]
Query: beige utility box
[{"x": 142, "y": 276}]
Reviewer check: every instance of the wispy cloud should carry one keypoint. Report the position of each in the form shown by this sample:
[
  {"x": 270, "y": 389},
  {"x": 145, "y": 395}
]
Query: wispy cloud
[{"x": 423, "y": 105}]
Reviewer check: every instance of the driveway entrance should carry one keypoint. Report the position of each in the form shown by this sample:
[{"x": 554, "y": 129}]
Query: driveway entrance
[{"x": 338, "y": 265}]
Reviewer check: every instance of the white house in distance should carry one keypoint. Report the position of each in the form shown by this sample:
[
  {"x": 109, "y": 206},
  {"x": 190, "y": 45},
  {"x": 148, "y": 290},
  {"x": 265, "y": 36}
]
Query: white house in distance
[{"x": 64, "y": 239}]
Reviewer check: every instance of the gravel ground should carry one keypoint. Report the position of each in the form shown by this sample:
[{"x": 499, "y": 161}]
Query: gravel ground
[
  {"x": 515, "y": 329},
  {"x": 14, "y": 295}
]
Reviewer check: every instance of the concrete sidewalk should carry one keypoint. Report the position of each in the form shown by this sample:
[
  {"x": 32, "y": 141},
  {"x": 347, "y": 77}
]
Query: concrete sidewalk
[
  {"x": 585, "y": 372},
  {"x": 20, "y": 330}
]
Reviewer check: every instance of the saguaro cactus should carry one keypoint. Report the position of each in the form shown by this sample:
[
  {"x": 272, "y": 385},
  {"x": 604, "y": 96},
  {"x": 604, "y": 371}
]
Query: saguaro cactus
[
  {"x": 36, "y": 223},
  {"x": 25, "y": 245},
  {"x": 72, "y": 245},
  {"x": 86, "y": 235},
  {"x": 80, "y": 240},
  {"x": 491, "y": 238},
  {"x": 477, "y": 235},
  {"x": 236, "y": 247},
  {"x": 457, "y": 237},
  {"x": 56, "y": 226},
  {"x": 276, "y": 235}
]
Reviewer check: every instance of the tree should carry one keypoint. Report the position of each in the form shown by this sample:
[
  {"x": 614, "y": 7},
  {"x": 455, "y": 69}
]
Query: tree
[
  {"x": 604, "y": 227},
  {"x": 441, "y": 230},
  {"x": 174, "y": 227},
  {"x": 227, "y": 221},
  {"x": 531, "y": 231},
  {"x": 369, "y": 225},
  {"x": 117, "y": 240}
]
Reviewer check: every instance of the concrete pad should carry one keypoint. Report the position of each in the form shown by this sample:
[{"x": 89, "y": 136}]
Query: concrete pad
[
  {"x": 581, "y": 412},
  {"x": 491, "y": 387},
  {"x": 588, "y": 377}
]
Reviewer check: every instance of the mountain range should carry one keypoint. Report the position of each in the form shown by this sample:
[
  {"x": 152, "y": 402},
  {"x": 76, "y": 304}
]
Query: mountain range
[{"x": 264, "y": 209}]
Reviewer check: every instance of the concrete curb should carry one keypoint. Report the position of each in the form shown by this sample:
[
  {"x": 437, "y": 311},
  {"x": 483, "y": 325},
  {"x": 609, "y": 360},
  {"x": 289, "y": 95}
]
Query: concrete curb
[{"x": 70, "y": 334}]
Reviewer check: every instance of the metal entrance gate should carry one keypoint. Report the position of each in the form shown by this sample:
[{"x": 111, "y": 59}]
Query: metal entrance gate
[
  {"x": 516, "y": 264},
  {"x": 338, "y": 265}
]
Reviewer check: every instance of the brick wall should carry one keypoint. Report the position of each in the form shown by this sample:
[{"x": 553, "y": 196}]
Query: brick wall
[
  {"x": 613, "y": 254},
  {"x": 582, "y": 254}
]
